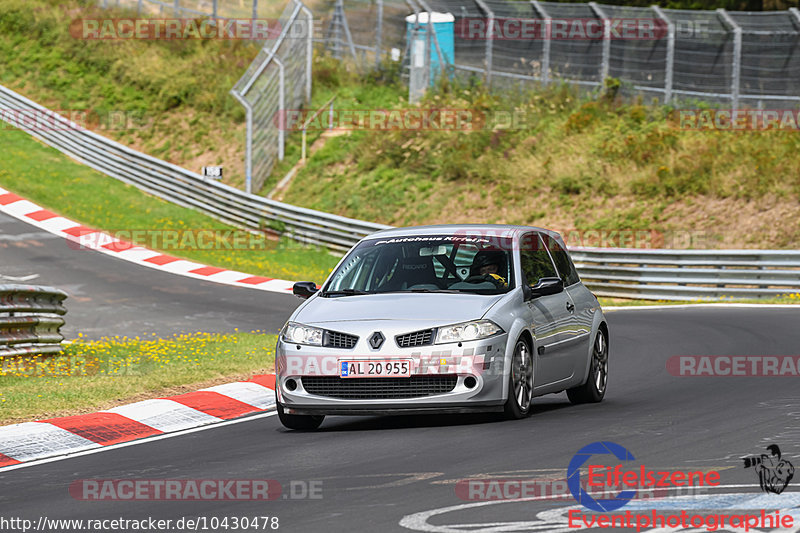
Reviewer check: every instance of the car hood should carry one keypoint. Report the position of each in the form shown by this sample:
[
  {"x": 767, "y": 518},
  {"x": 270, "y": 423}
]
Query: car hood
[{"x": 439, "y": 308}]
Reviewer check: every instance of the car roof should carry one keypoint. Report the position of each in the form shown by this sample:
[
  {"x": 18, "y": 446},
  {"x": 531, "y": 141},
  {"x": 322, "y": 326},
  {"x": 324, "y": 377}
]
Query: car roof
[{"x": 497, "y": 230}]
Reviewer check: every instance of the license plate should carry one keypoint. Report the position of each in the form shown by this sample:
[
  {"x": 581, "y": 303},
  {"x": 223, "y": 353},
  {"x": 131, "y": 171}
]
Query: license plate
[{"x": 395, "y": 368}]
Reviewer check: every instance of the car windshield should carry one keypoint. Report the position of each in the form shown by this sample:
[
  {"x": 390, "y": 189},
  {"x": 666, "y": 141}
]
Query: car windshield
[{"x": 430, "y": 263}]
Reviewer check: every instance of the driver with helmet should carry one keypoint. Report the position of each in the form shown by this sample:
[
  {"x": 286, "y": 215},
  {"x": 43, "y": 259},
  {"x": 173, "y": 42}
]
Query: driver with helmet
[{"x": 490, "y": 264}]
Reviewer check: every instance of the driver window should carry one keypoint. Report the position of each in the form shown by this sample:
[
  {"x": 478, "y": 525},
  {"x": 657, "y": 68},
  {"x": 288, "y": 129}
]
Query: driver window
[
  {"x": 564, "y": 263},
  {"x": 535, "y": 260}
]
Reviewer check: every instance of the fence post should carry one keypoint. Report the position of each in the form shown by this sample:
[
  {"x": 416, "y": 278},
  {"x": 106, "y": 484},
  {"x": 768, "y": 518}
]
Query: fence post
[
  {"x": 796, "y": 12},
  {"x": 176, "y": 7},
  {"x": 309, "y": 49},
  {"x": 214, "y": 9},
  {"x": 736, "y": 60},
  {"x": 248, "y": 147},
  {"x": 413, "y": 72},
  {"x": 669, "y": 69},
  {"x": 139, "y": 7},
  {"x": 442, "y": 62},
  {"x": 346, "y": 28},
  {"x": 548, "y": 30},
  {"x": 255, "y": 9},
  {"x": 489, "y": 39},
  {"x": 248, "y": 151},
  {"x": 604, "y": 66},
  {"x": 428, "y": 28},
  {"x": 281, "y": 108},
  {"x": 379, "y": 35},
  {"x": 334, "y": 36}
]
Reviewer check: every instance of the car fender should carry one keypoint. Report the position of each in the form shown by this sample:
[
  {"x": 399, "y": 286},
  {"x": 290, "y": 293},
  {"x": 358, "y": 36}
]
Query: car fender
[
  {"x": 519, "y": 325},
  {"x": 597, "y": 319}
]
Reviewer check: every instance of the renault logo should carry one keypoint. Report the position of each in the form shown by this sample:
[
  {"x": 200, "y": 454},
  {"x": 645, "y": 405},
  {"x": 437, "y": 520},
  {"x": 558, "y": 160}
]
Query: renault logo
[{"x": 376, "y": 340}]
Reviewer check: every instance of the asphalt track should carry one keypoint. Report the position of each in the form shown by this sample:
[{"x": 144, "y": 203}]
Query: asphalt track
[
  {"x": 109, "y": 296},
  {"x": 378, "y": 471}
]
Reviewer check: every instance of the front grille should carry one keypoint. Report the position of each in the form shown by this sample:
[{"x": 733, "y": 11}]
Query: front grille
[
  {"x": 417, "y": 338},
  {"x": 335, "y": 339},
  {"x": 378, "y": 388}
]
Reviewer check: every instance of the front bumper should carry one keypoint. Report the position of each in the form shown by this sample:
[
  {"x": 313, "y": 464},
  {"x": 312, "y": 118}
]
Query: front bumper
[
  {"x": 378, "y": 410},
  {"x": 477, "y": 368}
]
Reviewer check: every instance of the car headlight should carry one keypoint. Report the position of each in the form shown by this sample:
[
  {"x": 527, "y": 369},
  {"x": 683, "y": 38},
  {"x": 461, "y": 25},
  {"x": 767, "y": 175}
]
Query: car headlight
[
  {"x": 302, "y": 334},
  {"x": 467, "y": 331}
]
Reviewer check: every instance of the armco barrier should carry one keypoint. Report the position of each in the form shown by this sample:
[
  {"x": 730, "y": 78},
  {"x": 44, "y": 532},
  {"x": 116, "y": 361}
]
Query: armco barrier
[
  {"x": 688, "y": 274},
  {"x": 622, "y": 273},
  {"x": 30, "y": 318},
  {"x": 180, "y": 186}
]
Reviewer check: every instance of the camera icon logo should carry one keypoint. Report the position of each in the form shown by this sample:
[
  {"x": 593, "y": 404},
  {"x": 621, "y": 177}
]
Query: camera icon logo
[{"x": 774, "y": 473}]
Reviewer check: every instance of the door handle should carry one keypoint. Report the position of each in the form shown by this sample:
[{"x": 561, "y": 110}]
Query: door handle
[{"x": 570, "y": 306}]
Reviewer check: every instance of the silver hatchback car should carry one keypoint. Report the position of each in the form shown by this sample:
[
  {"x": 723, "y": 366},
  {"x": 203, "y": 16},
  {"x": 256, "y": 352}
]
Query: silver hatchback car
[{"x": 437, "y": 319}]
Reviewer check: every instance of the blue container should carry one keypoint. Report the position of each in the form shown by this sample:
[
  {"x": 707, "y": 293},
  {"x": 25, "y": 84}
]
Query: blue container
[{"x": 443, "y": 26}]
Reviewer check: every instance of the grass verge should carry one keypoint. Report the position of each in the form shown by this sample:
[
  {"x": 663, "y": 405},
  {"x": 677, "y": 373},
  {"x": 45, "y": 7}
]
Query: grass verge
[
  {"x": 571, "y": 162},
  {"x": 167, "y": 109},
  {"x": 92, "y": 375},
  {"x": 52, "y": 180}
]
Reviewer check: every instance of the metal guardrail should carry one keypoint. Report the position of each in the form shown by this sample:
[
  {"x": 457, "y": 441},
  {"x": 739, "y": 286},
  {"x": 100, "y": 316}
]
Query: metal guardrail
[
  {"x": 181, "y": 186},
  {"x": 623, "y": 273},
  {"x": 688, "y": 274},
  {"x": 30, "y": 318}
]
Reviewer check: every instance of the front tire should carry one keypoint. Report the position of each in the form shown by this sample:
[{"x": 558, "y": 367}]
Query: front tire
[
  {"x": 594, "y": 389},
  {"x": 520, "y": 383},
  {"x": 298, "y": 422}
]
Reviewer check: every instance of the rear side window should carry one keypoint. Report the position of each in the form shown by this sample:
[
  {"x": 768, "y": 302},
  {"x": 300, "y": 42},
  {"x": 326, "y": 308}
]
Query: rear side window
[
  {"x": 563, "y": 262},
  {"x": 535, "y": 260}
]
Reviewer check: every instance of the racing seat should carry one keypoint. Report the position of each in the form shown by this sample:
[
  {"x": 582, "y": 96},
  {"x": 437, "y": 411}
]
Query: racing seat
[{"x": 417, "y": 272}]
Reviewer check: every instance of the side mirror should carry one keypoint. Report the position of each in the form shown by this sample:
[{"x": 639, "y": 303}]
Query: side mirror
[
  {"x": 527, "y": 292},
  {"x": 304, "y": 289},
  {"x": 547, "y": 286}
]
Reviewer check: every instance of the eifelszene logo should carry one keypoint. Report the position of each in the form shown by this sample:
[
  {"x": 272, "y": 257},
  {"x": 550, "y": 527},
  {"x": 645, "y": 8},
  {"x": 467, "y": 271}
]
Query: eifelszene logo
[
  {"x": 602, "y": 478},
  {"x": 774, "y": 473},
  {"x": 574, "y": 476}
]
